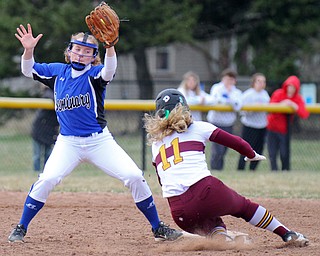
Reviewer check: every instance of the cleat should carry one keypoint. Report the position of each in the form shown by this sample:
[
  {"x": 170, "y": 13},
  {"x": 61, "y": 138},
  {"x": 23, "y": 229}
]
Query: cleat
[
  {"x": 220, "y": 233},
  {"x": 165, "y": 233},
  {"x": 17, "y": 234},
  {"x": 295, "y": 239}
]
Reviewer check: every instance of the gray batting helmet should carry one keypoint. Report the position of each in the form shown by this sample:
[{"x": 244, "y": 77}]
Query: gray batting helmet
[{"x": 168, "y": 100}]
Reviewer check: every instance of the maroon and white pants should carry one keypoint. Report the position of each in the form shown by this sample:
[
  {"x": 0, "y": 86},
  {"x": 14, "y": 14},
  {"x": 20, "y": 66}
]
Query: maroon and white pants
[{"x": 200, "y": 208}]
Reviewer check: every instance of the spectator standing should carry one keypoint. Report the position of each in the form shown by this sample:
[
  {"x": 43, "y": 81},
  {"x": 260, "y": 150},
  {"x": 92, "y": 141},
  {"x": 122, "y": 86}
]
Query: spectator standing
[
  {"x": 224, "y": 92},
  {"x": 254, "y": 123},
  {"x": 45, "y": 129},
  {"x": 191, "y": 90},
  {"x": 278, "y": 131}
]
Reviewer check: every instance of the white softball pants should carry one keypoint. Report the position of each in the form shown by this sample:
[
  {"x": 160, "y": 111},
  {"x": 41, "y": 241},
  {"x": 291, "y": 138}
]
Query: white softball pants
[{"x": 102, "y": 151}]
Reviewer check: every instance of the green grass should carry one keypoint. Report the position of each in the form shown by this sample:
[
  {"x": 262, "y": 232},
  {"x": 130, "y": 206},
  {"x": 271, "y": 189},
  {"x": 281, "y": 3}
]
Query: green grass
[
  {"x": 15, "y": 153},
  {"x": 293, "y": 184},
  {"x": 302, "y": 182}
]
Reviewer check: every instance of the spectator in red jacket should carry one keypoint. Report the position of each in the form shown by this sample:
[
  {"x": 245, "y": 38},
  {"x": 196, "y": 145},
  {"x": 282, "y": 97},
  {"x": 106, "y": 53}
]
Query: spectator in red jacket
[{"x": 278, "y": 135}]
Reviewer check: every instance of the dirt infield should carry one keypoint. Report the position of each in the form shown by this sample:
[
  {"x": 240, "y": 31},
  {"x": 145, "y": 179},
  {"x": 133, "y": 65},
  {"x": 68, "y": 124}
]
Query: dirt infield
[{"x": 110, "y": 224}]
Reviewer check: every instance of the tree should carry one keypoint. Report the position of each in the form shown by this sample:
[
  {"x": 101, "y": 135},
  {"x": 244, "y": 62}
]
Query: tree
[
  {"x": 225, "y": 20},
  {"x": 283, "y": 35},
  {"x": 221, "y": 18},
  {"x": 56, "y": 19},
  {"x": 153, "y": 23}
]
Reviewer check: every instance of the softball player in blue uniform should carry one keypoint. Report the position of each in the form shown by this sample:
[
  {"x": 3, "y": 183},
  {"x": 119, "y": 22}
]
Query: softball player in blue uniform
[{"x": 79, "y": 91}]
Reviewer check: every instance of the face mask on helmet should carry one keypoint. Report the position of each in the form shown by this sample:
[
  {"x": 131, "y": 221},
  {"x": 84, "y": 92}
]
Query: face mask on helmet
[
  {"x": 76, "y": 64},
  {"x": 167, "y": 100}
]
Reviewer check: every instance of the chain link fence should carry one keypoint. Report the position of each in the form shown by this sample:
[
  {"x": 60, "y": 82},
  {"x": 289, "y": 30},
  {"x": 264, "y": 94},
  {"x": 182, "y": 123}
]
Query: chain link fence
[{"x": 126, "y": 127}]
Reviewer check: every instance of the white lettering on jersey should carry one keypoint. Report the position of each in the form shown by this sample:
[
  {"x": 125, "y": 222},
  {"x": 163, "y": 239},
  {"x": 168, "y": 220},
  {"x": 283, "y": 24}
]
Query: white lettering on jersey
[{"x": 67, "y": 103}]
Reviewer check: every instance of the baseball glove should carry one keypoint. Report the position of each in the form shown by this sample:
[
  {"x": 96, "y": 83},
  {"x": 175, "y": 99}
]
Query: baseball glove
[{"x": 103, "y": 22}]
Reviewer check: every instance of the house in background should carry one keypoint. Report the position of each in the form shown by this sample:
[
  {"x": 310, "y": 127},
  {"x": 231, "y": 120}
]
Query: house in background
[{"x": 168, "y": 64}]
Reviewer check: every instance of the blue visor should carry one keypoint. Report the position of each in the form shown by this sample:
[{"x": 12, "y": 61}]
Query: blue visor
[{"x": 94, "y": 46}]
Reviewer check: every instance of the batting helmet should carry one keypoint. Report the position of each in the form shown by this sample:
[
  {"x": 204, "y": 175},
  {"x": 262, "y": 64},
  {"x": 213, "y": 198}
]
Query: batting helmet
[{"x": 168, "y": 100}]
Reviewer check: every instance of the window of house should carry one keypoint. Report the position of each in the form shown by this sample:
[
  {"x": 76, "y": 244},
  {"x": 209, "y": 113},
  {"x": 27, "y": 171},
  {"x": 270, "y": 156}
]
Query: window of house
[{"x": 162, "y": 60}]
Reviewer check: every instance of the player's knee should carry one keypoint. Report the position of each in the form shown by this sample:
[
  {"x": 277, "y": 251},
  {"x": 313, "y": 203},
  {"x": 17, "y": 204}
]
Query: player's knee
[
  {"x": 133, "y": 177},
  {"x": 139, "y": 188},
  {"x": 42, "y": 188}
]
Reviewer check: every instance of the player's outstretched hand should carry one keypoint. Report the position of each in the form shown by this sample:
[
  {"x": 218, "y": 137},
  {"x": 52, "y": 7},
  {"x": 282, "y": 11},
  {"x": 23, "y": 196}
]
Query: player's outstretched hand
[
  {"x": 257, "y": 157},
  {"x": 26, "y": 38}
]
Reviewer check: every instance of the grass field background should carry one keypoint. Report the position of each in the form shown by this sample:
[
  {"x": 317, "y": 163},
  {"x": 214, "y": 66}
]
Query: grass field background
[{"x": 302, "y": 182}]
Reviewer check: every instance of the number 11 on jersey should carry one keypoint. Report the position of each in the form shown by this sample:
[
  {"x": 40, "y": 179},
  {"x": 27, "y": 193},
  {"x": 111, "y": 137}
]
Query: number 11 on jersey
[{"x": 177, "y": 158}]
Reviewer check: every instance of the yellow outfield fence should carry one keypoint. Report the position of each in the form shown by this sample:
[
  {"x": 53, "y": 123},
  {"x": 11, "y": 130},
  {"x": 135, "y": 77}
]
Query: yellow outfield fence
[
  {"x": 124, "y": 119},
  {"x": 148, "y": 105}
]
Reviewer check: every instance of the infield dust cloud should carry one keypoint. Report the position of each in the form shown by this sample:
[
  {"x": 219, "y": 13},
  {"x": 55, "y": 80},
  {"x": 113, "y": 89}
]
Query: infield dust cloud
[{"x": 187, "y": 244}]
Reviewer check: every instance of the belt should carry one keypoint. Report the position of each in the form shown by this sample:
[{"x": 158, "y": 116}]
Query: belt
[{"x": 91, "y": 134}]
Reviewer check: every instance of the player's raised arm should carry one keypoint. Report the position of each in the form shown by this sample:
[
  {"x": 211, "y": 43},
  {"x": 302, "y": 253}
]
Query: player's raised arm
[
  {"x": 28, "y": 41},
  {"x": 110, "y": 64}
]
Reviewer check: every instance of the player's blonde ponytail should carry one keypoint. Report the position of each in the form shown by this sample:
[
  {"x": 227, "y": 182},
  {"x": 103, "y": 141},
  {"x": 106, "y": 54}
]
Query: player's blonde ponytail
[{"x": 157, "y": 128}]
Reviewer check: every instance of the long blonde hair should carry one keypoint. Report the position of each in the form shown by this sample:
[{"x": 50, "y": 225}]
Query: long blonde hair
[
  {"x": 184, "y": 85},
  {"x": 157, "y": 128},
  {"x": 91, "y": 39}
]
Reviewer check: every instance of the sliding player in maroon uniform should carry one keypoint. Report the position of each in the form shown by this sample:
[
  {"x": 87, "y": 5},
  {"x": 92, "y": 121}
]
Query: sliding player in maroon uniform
[{"x": 197, "y": 199}]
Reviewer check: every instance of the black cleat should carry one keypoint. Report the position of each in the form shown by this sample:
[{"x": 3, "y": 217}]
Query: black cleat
[
  {"x": 17, "y": 234},
  {"x": 165, "y": 233}
]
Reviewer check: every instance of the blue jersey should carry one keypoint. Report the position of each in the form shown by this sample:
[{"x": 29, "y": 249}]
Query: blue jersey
[{"x": 79, "y": 101}]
